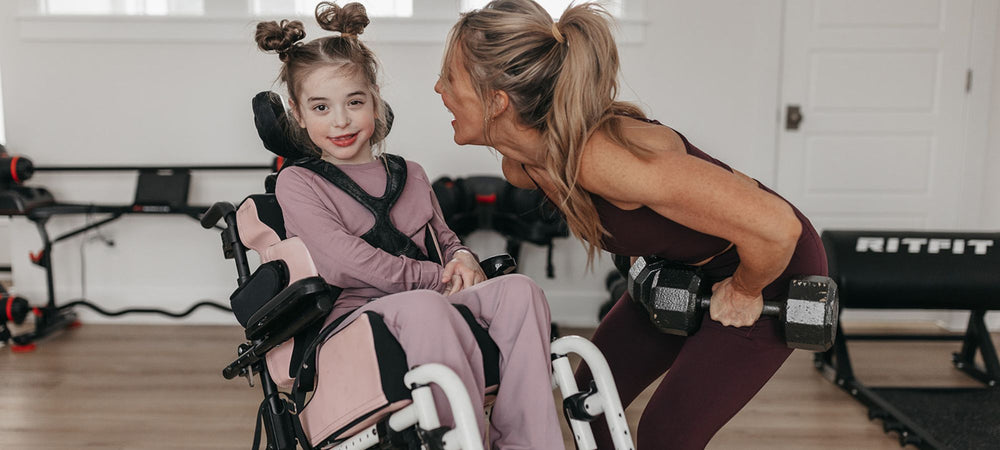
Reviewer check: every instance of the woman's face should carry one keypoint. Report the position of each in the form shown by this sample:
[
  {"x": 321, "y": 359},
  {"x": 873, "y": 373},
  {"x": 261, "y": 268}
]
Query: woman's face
[{"x": 458, "y": 95}]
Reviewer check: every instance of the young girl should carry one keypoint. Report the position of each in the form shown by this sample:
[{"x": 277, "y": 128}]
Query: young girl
[
  {"x": 543, "y": 94},
  {"x": 377, "y": 232}
]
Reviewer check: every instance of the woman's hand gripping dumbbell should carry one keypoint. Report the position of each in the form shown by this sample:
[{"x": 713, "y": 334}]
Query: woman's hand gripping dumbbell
[{"x": 676, "y": 300}]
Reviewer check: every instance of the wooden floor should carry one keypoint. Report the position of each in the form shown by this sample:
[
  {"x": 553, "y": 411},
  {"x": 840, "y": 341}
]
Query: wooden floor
[{"x": 129, "y": 387}]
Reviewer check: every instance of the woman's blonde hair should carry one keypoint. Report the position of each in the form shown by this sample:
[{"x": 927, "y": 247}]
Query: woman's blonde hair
[
  {"x": 344, "y": 51},
  {"x": 562, "y": 80}
]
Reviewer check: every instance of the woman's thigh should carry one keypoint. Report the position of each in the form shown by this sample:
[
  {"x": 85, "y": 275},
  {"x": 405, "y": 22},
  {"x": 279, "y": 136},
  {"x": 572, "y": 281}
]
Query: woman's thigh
[{"x": 718, "y": 370}]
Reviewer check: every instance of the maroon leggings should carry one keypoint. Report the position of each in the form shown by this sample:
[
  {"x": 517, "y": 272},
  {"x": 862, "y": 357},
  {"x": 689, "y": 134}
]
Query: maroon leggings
[{"x": 713, "y": 374}]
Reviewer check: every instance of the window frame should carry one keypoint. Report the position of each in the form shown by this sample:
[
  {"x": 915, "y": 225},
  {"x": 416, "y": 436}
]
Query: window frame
[{"x": 231, "y": 21}]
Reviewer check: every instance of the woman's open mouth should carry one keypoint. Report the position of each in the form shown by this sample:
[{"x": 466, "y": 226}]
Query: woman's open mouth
[{"x": 344, "y": 140}]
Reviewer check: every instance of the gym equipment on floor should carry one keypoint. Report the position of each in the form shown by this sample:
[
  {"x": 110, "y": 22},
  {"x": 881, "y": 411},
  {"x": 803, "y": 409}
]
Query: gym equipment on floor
[
  {"x": 922, "y": 270},
  {"x": 159, "y": 190},
  {"x": 491, "y": 203}
]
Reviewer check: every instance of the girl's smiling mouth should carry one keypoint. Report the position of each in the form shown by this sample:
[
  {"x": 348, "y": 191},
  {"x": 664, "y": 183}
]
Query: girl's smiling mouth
[{"x": 344, "y": 140}]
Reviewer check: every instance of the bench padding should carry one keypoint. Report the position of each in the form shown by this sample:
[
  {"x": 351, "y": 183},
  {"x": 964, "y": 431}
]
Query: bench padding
[{"x": 915, "y": 269}]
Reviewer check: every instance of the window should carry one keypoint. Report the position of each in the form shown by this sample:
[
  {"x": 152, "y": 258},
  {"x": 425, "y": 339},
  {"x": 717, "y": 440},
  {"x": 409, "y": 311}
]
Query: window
[
  {"x": 376, "y": 8},
  {"x": 554, "y": 7},
  {"x": 122, "y": 7}
]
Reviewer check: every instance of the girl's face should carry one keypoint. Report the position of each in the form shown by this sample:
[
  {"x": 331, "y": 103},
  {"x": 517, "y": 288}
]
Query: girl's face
[
  {"x": 336, "y": 108},
  {"x": 458, "y": 95}
]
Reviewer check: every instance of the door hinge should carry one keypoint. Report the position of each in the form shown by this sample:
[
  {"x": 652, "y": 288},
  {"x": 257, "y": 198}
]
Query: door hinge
[{"x": 968, "y": 80}]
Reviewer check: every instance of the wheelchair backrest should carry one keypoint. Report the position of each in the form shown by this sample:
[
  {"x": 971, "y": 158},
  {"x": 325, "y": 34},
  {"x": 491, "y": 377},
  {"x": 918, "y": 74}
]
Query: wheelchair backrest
[{"x": 262, "y": 229}]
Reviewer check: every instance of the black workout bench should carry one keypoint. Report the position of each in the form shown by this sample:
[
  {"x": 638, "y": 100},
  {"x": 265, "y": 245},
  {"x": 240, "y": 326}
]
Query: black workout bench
[
  {"x": 159, "y": 190},
  {"x": 922, "y": 270}
]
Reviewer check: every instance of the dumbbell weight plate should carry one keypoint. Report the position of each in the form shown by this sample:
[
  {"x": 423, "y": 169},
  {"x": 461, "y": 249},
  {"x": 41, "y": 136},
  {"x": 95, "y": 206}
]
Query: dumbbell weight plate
[
  {"x": 673, "y": 303},
  {"x": 642, "y": 276},
  {"x": 811, "y": 313}
]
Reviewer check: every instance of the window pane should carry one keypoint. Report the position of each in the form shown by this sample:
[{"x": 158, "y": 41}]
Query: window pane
[
  {"x": 376, "y": 8},
  {"x": 554, "y": 7},
  {"x": 124, "y": 7}
]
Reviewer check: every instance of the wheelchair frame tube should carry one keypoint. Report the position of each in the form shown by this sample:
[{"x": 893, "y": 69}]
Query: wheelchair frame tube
[
  {"x": 239, "y": 251},
  {"x": 277, "y": 425},
  {"x": 365, "y": 439},
  {"x": 466, "y": 432},
  {"x": 610, "y": 403},
  {"x": 562, "y": 375}
]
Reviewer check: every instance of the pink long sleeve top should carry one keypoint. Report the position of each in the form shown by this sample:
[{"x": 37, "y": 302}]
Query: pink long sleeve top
[{"x": 330, "y": 224}]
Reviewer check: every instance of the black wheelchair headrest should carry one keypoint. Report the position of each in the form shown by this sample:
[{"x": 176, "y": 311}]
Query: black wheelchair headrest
[
  {"x": 271, "y": 120},
  {"x": 274, "y": 125}
]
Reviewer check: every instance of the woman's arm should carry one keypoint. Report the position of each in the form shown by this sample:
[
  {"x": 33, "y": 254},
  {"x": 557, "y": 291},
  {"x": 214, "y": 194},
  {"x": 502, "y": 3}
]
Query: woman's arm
[
  {"x": 701, "y": 196},
  {"x": 343, "y": 259}
]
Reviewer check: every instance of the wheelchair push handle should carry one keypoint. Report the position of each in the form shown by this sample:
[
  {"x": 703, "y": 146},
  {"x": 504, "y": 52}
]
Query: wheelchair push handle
[{"x": 216, "y": 212}]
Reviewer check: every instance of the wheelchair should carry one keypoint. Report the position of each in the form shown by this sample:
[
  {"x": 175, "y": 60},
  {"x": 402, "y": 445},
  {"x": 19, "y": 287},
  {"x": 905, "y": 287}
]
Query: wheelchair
[{"x": 369, "y": 398}]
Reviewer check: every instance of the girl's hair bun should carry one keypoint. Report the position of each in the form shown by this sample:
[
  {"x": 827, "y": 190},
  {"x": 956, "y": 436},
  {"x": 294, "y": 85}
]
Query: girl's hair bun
[
  {"x": 349, "y": 20},
  {"x": 279, "y": 37}
]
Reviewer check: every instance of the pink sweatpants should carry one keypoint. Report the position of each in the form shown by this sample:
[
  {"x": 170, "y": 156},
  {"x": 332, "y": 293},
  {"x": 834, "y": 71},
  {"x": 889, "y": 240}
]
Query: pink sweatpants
[{"x": 514, "y": 311}]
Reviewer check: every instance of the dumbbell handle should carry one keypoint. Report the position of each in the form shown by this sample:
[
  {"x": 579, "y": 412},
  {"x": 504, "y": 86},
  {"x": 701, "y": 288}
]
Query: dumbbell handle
[{"x": 770, "y": 308}]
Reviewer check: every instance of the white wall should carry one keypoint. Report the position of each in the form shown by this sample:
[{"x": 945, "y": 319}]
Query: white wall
[
  {"x": 709, "y": 68},
  {"x": 991, "y": 199}
]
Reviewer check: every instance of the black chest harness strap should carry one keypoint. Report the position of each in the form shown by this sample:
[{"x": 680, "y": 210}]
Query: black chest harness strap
[{"x": 383, "y": 235}]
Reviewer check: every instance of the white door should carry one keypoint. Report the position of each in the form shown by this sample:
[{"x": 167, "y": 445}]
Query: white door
[{"x": 880, "y": 86}]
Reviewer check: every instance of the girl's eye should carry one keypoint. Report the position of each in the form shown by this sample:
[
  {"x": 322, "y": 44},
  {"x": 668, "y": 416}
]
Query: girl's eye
[
  {"x": 356, "y": 102},
  {"x": 320, "y": 108}
]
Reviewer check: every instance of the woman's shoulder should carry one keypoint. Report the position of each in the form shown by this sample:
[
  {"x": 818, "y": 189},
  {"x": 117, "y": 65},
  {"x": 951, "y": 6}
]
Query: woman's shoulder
[{"x": 606, "y": 164}]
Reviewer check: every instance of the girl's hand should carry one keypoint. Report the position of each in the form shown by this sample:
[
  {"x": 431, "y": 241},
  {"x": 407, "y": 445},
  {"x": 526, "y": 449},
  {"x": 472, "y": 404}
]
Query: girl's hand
[
  {"x": 461, "y": 272},
  {"x": 733, "y": 308}
]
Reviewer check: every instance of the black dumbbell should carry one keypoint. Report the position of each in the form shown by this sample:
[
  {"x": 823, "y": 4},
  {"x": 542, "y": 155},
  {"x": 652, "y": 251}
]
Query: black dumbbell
[{"x": 676, "y": 301}]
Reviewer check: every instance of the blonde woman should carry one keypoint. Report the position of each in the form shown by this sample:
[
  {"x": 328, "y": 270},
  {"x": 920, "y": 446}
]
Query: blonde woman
[{"x": 542, "y": 93}]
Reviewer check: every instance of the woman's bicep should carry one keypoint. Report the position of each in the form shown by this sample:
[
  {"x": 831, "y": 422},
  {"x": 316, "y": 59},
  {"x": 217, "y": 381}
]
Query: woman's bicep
[{"x": 707, "y": 198}]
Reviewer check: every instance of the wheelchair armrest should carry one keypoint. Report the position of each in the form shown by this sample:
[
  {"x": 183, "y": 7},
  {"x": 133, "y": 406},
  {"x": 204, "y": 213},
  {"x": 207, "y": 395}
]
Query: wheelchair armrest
[
  {"x": 295, "y": 307},
  {"x": 301, "y": 304},
  {"x": 495, "y": 266}
]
